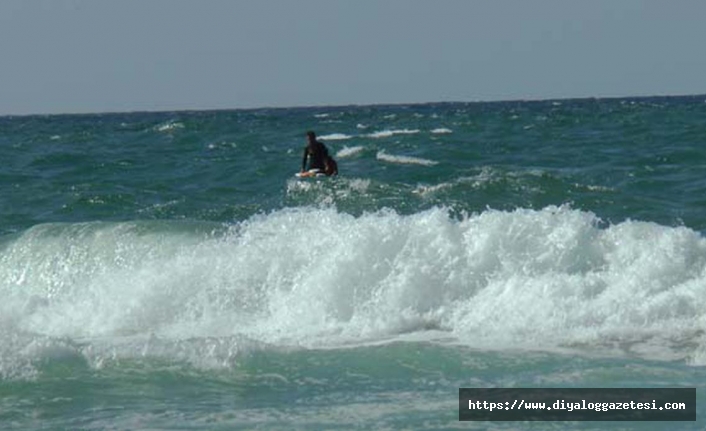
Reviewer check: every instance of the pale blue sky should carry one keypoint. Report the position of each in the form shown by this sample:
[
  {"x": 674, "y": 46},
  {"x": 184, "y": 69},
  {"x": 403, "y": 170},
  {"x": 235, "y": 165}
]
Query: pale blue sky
[{"x": 63, "y": 56}]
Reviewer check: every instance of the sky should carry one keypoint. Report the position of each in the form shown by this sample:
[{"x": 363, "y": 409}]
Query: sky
[{"x": 77, "y": 56}]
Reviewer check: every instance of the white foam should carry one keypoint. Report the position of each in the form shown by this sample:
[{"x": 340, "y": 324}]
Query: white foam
[
  {"x": 389, "y": 133},
  {"x": 335, "y": 137},
  {"x": 405, "y": 160},
  {"x": 425, "y": 190},
  {"x": 222, "y": 144},
  {"x": 169, "y": 126},
  {"x": 349, "y": 151},
  {"x": 542, "y": 279},
  {"x": 595, "y": 188},
  {"x": 441, "y": 131}
]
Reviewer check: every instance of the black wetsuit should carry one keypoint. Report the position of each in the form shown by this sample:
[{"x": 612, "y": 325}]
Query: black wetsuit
[{"x": 317, "y": 154}]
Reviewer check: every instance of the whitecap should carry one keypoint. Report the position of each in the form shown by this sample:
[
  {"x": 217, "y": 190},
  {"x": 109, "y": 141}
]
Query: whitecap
[
  {"x": 388, "y": 133},
  {"x": 406, "y": 160},
  {"x": 349, "y": 151},
  {"x": 441, "y": 131}
]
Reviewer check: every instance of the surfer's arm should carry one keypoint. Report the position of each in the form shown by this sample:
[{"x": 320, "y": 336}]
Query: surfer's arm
[{"x": 304, "y": 160}]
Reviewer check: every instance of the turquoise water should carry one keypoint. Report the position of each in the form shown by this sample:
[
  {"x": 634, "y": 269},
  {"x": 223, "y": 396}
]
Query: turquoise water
[{"x": 167, "y": 271}]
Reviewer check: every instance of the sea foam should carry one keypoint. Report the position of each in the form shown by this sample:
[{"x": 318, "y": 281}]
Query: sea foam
[
  {"x": 335, "y": 137},
  {"x": 349, "y": 151},
  {"x": 405, "y": 160},
  {"x": 389, "y": 133},
  {"x": 317, "y": 277}
]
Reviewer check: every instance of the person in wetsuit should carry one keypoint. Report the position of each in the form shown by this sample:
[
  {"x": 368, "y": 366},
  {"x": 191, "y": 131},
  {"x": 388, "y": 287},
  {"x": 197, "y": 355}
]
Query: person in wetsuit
[{"x": 317, "y": 155}]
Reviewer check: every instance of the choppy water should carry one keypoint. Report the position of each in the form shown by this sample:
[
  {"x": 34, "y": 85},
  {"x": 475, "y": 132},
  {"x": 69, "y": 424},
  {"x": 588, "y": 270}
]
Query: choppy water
[{"x": 166, "y": 271}]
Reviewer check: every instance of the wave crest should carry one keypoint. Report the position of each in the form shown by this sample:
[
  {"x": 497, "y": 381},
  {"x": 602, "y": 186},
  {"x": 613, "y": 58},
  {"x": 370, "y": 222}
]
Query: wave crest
[{"x": 321, "y": 278}]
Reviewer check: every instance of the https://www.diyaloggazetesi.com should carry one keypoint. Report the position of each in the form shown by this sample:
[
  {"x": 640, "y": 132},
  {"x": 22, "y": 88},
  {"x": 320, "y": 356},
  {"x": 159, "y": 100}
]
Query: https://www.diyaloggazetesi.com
[{"x": 578, "y": 404}]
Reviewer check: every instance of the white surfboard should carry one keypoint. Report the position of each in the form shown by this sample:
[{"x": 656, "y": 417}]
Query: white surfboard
[{"x": 312, "y": 173}]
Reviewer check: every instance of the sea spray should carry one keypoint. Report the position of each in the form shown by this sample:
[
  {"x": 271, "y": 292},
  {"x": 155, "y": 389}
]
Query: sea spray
[{"x": 552, "y": 278}]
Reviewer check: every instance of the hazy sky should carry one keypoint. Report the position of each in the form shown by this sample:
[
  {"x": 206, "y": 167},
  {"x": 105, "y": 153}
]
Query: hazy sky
[{"x": 128, "y": 55}]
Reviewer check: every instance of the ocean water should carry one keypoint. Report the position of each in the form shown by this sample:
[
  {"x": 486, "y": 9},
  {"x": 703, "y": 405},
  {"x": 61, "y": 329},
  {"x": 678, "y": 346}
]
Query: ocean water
[{"x": 167, "y": 271}]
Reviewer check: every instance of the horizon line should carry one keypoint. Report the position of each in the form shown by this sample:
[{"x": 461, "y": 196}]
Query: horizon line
[{"x": 345, "y": 105}]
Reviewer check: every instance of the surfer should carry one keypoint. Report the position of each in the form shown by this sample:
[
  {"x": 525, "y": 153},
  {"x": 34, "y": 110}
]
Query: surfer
[{"x": 318, "y": 157}]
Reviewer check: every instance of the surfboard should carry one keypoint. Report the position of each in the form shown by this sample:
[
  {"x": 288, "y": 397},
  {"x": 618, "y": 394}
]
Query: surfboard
[{"x": 312, "y": 173}]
